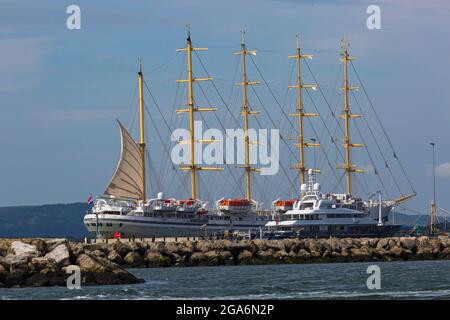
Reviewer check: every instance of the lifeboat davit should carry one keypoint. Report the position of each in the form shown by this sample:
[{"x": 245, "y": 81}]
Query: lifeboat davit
[
  {"x": 188, "y": 206},
  {"x": 282, "y": 206},
  {"x": 234, "y": 205}
]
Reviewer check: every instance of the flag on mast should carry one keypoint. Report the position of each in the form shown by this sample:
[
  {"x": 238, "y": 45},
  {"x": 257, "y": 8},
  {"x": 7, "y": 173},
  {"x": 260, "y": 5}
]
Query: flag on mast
[{"x": 90, "y": 199}]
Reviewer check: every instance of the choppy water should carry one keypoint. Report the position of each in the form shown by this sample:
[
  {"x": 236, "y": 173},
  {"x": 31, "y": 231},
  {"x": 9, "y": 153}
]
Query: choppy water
[{"x": 399, "y": 280}]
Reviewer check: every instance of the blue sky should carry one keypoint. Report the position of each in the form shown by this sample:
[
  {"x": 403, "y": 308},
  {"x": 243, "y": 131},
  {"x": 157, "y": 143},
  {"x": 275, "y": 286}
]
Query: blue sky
[{"x": 61, "y": 90}]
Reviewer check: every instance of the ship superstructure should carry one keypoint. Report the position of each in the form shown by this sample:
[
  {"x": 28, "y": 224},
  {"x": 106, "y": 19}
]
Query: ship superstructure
[{"x": 317, "y": 215}]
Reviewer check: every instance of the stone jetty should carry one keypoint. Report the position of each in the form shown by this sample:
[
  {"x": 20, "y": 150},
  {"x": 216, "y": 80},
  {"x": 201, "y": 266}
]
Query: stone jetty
[{"x": 39, "y": 262}]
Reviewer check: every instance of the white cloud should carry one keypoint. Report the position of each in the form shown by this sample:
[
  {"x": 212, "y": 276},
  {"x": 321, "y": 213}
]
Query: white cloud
[{"x": 443, "y": 170}]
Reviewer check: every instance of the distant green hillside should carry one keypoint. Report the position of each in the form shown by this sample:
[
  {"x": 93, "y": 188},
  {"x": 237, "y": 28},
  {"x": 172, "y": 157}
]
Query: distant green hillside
[
  {"x": 408, "y": 219},
  {"x": 51, "y": 220}
]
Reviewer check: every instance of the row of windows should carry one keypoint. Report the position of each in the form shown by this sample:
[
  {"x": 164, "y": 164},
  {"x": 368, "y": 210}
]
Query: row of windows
[
  {"x": 93, "y": 224},
  {"x": 356, "y": 215},
  {"x": 306, "y": 217}
]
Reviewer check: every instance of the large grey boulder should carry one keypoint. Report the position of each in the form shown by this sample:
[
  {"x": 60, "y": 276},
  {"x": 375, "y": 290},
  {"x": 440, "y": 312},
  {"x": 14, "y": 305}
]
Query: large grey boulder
[
  {"x": 122, "y": 248},
  {"x": 408, "y": 243},
  {"x": 53, "y": 243},
  {"x": 115, "y": 257},
  {"x": 197, "y": 258},
  {"x": 155, "y": 259},
  {"x": 89, "y": 264},
  {"x": 245, "y": 257},
  {"x": 42, "y": 265},
  {"x": 22, "y": 249},
  {"x": 225, "y": 257},
  {"x": 133, "y": 259},
  {"x": 60, "y": 254},
  {"x": 15, "y": 260},
  {"x": 303, "y": 254},
  {"x": 97, "y": 270}
]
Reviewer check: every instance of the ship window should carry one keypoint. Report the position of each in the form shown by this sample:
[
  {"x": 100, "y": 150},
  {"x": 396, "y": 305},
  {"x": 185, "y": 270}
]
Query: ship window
[{"x": 120, "y": 224}]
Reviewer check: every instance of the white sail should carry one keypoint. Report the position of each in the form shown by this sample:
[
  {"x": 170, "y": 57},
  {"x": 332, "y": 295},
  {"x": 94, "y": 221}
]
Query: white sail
[{"x": 127, "y": 181}]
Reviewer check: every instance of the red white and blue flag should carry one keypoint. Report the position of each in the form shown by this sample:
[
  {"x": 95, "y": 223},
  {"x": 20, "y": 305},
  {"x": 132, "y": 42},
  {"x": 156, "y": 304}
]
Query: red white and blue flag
[{"x": 90, "y": 200}]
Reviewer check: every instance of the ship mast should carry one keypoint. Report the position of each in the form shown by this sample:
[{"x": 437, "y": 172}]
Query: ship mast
[
  {"x": 191, "y": 110},
  {"x": 348, "y": 166},
  {"x": 248, "y": 168},
  {"x": 301, "y": 166},
  {"x": 141, "y": 128}
]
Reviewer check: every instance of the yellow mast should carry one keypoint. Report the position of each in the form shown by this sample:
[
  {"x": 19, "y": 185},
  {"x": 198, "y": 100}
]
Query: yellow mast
[
  {"x": 246, "y": 113},
  {"x": 348, "y": 166},
  {"x": 141, "y": 126},
  {"x": 191, "y": 101},
  {"x": 301, "y": 166}
]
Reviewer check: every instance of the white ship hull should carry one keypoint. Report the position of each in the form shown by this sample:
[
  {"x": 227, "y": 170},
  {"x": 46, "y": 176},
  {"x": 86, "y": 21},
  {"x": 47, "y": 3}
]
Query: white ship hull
[{"x": 147, "y": 227}]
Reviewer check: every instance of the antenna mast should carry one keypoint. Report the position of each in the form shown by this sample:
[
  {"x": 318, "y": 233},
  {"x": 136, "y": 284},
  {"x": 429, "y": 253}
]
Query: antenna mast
[
  {"x": 348, "y": 166},
  {"x": 246, "y": 113},
  {"x": 191, "y": 110},
  {"x": 301, "y": 166},
  {"x": 141, "y": 128}
]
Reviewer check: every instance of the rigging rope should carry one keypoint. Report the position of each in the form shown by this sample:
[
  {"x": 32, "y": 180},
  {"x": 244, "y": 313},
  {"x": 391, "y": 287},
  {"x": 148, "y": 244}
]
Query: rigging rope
[
  {"x": 223, "y": 128},
  {"x": 382, "y": 127},
  {"x": 377, "y": 144},
  {"x": 156, "y": 127}
]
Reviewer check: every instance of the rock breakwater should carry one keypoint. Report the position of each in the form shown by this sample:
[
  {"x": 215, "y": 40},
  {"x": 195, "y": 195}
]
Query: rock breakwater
[{"x": 38, "y": 262}]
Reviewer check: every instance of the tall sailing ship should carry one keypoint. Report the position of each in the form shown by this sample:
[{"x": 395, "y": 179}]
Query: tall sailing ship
[{"x": 125, "y": 209}]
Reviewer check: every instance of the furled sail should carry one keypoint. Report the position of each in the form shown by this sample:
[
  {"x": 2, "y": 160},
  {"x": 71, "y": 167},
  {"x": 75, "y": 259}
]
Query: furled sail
[{"x": 127, "y": 179}]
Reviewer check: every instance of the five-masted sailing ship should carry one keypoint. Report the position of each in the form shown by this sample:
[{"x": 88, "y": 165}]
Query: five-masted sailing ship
[{"x": 125, "y": 210}]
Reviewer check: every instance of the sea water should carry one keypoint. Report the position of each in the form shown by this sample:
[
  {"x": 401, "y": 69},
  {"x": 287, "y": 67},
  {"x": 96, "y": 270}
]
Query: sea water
[{"x": 399, "y": 280}]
